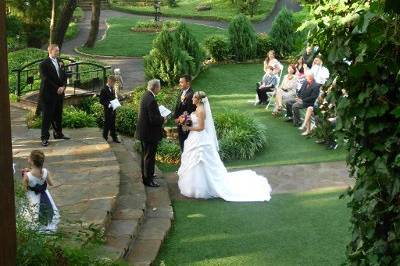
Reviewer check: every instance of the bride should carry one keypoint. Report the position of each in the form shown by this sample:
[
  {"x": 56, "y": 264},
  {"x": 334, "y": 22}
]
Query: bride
[{"x": 202, "y": 173}]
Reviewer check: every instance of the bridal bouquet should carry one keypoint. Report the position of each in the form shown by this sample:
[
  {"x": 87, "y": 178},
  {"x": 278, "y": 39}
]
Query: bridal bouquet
[{"x": 185, "y": 120}]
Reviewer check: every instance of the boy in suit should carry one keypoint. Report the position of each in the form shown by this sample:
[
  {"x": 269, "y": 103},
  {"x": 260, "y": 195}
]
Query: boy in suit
[{"x": 107, "y": 94}]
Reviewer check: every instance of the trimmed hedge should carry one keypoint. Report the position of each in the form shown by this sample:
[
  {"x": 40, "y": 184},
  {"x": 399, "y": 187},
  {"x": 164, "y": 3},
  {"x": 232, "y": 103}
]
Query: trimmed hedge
[{"x": 217, "y": 47}]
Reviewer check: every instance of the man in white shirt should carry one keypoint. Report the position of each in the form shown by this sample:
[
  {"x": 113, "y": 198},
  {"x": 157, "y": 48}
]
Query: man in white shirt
[{"x": 321, "y": 73}]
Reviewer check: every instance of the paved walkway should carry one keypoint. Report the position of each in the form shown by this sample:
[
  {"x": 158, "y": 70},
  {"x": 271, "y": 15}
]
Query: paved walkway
[
  {"x": 292, "y": 178},
  {"x": 133, "y": 68},
  {"x": 85, "y": 171}
]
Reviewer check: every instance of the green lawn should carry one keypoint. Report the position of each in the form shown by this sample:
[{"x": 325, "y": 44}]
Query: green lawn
[
  {"x": 221, "y": 9},
  {"x": 121, "y": 41},
  {"x": 231, "y": 86},
  {"x": 292, "y": 229}
]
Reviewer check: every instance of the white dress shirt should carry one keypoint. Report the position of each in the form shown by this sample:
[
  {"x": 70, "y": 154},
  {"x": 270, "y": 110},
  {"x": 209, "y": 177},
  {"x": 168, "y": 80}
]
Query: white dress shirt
[
  {"x": 56, "y": 65},
  {"x": 184, "y": 94},
  {"x": 321, "y": 74}
]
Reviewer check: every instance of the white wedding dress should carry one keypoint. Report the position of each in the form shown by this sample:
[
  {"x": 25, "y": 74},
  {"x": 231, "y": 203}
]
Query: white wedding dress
[{"x": 203, "y": 175}]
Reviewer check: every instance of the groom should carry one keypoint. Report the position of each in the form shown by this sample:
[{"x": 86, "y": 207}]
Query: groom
[
  {"x": 184, "y": 103},
  {"x": 149, "y": 131}
]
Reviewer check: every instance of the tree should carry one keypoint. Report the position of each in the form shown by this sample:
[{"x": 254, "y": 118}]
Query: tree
[
  {"x": 187, "y": 42},
  {"x": 53, "y": 20},
  {"x": 283, "y": 33},
  {"x": 361, "y": 41},
  {"x": 94, "y": 24},
  {"x": 242, "y": 38},
  {"x": 63, "y": 21},
  {"x": 167, "y": 61}
]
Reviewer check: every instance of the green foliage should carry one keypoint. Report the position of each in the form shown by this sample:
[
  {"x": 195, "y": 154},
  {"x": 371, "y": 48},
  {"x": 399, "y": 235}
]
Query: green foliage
[
  {"x": 72, "y": 31},
  {"x": 264, "y": 44},
  {"x": 166, "y": 60},
  {"x": 152, "y": 26},
  {"x": 78, "y": 14},
  {"x": 18, "y": 59},
  {"x": 367, "y": 98},
  {"x": 76, "y": 118},
  {"x": 168, "y": 152},
  {"x": 28, "y": 12},
  {"x": 126, "y": 120},
  {"x": 242, "y": 38},
  {"x": 283, "y": 32},
  {"x": 240, "y": 135},
  {"x": 217, "y": 47},
  {"x": 187, "y": 42}
]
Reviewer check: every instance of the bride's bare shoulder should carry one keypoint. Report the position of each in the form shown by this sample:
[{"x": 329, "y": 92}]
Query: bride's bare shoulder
[{"x": 200, "y": 111}]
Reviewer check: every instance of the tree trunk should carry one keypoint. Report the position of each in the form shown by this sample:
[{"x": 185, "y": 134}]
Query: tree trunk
[
  {"x": 53, "y": 20},
  {"x": 7, "y": 201},
  {"x": 65, "y": 18},
  {"x": 94, "y": 27}
]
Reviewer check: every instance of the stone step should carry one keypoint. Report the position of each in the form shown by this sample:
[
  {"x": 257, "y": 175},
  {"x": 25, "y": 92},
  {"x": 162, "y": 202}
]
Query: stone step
[
  {"x": 159, "y": 214},
  {"x": 87, "y": 4},
  {"x": 130, "y": 207}
]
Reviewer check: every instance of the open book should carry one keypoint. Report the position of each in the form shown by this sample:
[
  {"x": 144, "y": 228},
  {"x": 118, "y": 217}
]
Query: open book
[
  {"x": 164, "y": 111},
  {"x": 115, "y": 104}
]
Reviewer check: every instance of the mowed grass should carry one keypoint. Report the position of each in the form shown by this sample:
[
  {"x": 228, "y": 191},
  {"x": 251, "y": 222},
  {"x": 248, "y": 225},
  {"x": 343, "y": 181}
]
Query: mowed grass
[
  {"x": 120, "y": 40},
  {"x": 221, "y": 9},
  {"x": 292, "y": 229},
  {"x": 231, "y": 86}
]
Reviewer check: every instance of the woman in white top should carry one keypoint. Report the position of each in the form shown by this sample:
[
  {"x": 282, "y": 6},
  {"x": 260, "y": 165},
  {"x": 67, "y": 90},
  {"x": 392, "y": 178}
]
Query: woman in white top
[
  {"x": 42, "y": 212},
  {"x": 271, "y": 61}
]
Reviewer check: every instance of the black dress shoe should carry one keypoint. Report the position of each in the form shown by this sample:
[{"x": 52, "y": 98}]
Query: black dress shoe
[
  {"x": 45, "y": 143},
  {"x": 151, "y": 184},
  {"x": 62, "y": 136}
]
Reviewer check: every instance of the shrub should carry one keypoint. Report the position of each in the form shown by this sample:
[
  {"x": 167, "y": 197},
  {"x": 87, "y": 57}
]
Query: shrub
[
  {"x": 155, "y": 26},
  {"x": 76, "y": 118},
  {"x": 264, "y": 45},
  {"x": 168, "y": 152},
  {"x": 166, "y": 60},
  {"x": 187, "y": 42},
  {"x": 217, "y": 47},
  {"x": 240, "y": 135},
  {"x": 242, "y": 38},
  {"x": 126, "y": 120},
  {"x": 240, "y": 138},
  {"x": 283, "y": 32},
  {"x": 72, "y": 118},
  {"x": 72, "y": 31}
]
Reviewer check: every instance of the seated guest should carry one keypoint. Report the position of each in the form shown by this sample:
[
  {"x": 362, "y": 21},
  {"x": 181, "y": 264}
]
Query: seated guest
[
  {"x": 306, "y": 97},
  {"x": 306, "y": 127},
  {"x": 268, "y": 84},
  {"x": 309, "y": 56},
  {"x": 287, "y": 90},
  {"x": 271, "y": 61},
  {"x": 321, "y": 73}
]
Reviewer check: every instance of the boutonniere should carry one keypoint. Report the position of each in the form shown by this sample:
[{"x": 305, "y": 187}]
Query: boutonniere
[{"x": 183, "y": 97}]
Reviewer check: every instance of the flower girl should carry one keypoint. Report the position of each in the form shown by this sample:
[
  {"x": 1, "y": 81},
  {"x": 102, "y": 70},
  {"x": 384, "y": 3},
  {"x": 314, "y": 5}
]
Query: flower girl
[{"x": 42, "y": 209}]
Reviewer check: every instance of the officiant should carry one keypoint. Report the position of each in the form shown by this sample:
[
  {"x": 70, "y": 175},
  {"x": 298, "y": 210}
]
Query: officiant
[
  {"x": 107, "y": 95},
  {"x": 149, "y": 131},
  {"x": 184, "y": 104}
]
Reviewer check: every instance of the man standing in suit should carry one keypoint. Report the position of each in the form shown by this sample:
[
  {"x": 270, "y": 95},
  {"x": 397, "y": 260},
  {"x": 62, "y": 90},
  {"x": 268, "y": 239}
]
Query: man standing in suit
[
  {"x": 149, "y": 131},
  {"x": 306, "y": 96},
  {"x": 184, "y": 104},
  {"x": 52, "y": 91},
  {"x": 107, "y": 94}
]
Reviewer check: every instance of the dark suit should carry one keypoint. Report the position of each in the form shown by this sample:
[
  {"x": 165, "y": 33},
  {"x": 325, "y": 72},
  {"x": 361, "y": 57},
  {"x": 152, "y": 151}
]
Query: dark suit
[
  {"x": 308, "y": 93},
  {"x": 51, "y": 102},
  {"x": 149, "y": 131},
  {"x": 107, "y": 94},
  {"x": 182, "y": 106}
]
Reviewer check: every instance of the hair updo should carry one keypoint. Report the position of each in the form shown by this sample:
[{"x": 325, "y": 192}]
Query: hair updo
[
  {"x": 200, "y": 95},
  {"x": 37, "y": 158}
]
